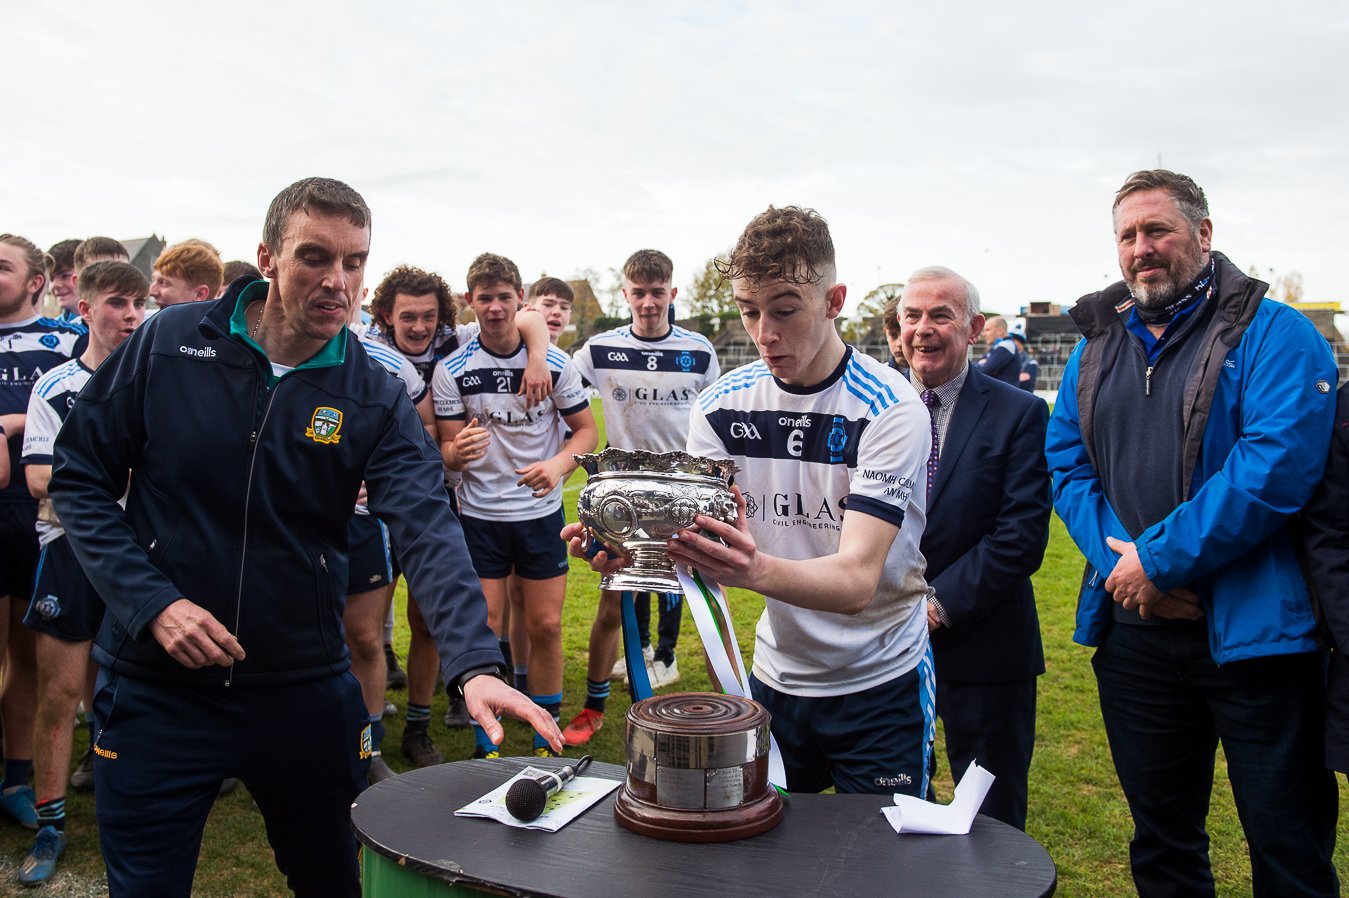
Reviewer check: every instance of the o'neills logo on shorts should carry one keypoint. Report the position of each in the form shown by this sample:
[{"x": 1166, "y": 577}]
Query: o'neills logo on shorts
[{"x": 104, "y": 753}]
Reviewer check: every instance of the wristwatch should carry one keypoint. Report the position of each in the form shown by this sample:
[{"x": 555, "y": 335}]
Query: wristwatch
[{"x": 490, "y": 670}]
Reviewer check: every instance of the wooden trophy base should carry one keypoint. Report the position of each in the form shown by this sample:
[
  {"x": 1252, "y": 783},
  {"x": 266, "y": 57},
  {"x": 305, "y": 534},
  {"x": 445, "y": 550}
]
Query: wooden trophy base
[{"x": 681, "y": 825}]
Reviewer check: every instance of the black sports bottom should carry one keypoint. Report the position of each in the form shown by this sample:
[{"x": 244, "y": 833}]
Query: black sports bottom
[{"x": 164, "y": 748}]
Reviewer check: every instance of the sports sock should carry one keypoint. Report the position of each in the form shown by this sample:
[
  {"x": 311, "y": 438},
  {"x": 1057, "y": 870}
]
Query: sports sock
[
  {"x": 418, "y": 717},
  {"x": 505, "y": 643},
  {"x": 17, "y": 773},
  {"x": 52, "y": 813},
  {"x": 553, "y": 705},
  {"x": 597, "y": 693},
  {"x": 522, "y": 678},
  {"x": 376, "y": 732}
]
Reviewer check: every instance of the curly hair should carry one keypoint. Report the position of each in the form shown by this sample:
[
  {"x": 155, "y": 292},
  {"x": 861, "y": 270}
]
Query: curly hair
[
  {"x": 412, "y": 281},
  {"x": 489, "y": 268},
  {"x": 789, "y": 244}
]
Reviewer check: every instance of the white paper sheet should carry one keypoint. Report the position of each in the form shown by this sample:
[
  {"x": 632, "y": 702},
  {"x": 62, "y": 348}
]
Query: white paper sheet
[
  {"x": 914, "y": 815},
  {"x": 564, "y": 805}
]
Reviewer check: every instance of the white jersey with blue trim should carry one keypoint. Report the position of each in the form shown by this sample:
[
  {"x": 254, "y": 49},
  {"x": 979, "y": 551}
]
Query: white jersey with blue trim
[
  {"x": 398, "y": 365},
  {"x": 475, "y": 383},
  {"x": 647, "y": 385},
  {"x": 51, "y": 401},
  {"x": 860, "y": 440}
]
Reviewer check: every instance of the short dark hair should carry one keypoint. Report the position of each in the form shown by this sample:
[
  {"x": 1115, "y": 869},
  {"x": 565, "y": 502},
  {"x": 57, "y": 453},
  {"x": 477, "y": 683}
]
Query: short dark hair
[
  {"x": 63, "y": 255},
  {"x": 324, "y": 196},
  {"x": 239, "y": 268},
  {"x": 789, "y": 244},
  {"x": 489, "y": 268},
  {"x": 1189, "y": 196},
  {"x": 649, "y": 266},
  {"x": 412, "y": 281},
  {"x": 551, "y": 286},
  {"x": 103, "y": 277},
  {"x": 99, "y": 248},
  {"x": 890, "y": 315}
]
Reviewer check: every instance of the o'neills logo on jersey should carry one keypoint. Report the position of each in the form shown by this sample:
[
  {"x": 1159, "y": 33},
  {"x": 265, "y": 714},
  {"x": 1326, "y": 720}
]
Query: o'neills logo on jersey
[
  {"x": 201, "y": 352},
  {"x": 325, "y": 426}
]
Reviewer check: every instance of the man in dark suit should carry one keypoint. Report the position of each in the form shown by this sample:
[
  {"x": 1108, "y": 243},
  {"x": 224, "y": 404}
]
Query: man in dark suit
[{"x": 987, "y": 527}]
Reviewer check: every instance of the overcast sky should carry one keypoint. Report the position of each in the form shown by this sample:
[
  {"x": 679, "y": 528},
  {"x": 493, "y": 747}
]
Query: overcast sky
[{"x": 988, "y": 137}]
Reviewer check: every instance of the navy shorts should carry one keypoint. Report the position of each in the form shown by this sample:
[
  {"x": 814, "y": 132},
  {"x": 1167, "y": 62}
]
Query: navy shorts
[
  {"x": 18, "y": 548},
  {"x": 64, "y": 603},
  {"x": 369, "y": 561},
  {"x": 531, "y": 549},
  {"x": 875, "y": 741}
]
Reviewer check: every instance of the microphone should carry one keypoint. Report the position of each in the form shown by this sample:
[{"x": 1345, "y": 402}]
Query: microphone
[{"x": 526, "y": 798}]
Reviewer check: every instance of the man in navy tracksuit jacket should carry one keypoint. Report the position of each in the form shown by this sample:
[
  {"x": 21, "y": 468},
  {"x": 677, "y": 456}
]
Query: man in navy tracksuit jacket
[
  {"x": 1189, "y": 429},
  {"x": 248, "y": 426}
]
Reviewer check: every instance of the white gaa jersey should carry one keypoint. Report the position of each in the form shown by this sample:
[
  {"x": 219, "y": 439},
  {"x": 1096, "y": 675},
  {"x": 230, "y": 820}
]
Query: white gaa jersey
[
  {"x": 860, "y": 441},
  {"x": 474, "y": 383},
  {"x": 50, "y": 402},
  {"x": 397, "y": 364},
  {"x": 647, "y": 386}
]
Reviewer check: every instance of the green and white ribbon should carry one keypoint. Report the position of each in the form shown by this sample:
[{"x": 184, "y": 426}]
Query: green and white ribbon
[{"x": 712, "y": 616}]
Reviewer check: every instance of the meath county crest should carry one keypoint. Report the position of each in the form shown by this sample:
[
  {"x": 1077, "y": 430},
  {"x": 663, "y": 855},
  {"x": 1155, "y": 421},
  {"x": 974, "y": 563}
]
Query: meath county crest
[{"x": 325, "y": 426}]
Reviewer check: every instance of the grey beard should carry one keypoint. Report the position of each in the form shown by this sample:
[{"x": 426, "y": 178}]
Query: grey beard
[{"x": 1167, "y": 292}]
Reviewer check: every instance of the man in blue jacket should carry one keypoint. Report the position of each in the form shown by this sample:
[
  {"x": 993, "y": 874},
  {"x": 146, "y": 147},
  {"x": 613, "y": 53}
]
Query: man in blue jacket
[
  {"x": 1189, "y": 429},
  {"x": 245, "y": 428}
]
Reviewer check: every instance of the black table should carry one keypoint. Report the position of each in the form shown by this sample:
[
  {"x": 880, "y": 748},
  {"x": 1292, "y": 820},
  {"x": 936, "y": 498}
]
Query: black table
[{"x": 826, "y": 845}]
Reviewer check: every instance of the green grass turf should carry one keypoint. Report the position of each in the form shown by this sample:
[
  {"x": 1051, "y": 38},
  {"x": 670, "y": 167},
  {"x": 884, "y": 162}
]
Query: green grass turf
[{"x": 1076, "y": 809}]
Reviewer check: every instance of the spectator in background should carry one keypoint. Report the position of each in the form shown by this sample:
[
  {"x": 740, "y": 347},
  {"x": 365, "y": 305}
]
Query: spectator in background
[
  {"x": 1030, "y": 369},
  {"x": 1001, "y": 361},
  {"x": 235, "y": 270},
  {"x": 62, "y": 285},
  {"x": 190, "y": 271},
  {"x": 1193, "y": 593},
  {"x": 99, "y": 249},
  {"x": 890, "y": 323}
]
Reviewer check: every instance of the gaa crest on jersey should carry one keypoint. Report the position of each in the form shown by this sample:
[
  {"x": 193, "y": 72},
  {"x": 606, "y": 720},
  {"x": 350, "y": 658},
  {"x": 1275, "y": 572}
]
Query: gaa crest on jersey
[
  {"x": 838, "y": 438},
  {"x": 51, "y": 341},
  {"x": 325, "y": 426},
  {"x": 48, "y": 607}
]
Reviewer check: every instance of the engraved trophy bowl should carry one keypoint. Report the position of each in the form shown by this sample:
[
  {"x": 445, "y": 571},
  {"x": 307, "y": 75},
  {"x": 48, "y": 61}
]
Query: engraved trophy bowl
[
  {"x": 636, "y": 500},
  {"x": 697, "y": 769}
]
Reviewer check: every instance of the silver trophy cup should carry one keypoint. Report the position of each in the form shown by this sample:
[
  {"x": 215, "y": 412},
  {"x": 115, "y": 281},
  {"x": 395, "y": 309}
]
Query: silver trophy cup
[{"x": 636, "y": 500}]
